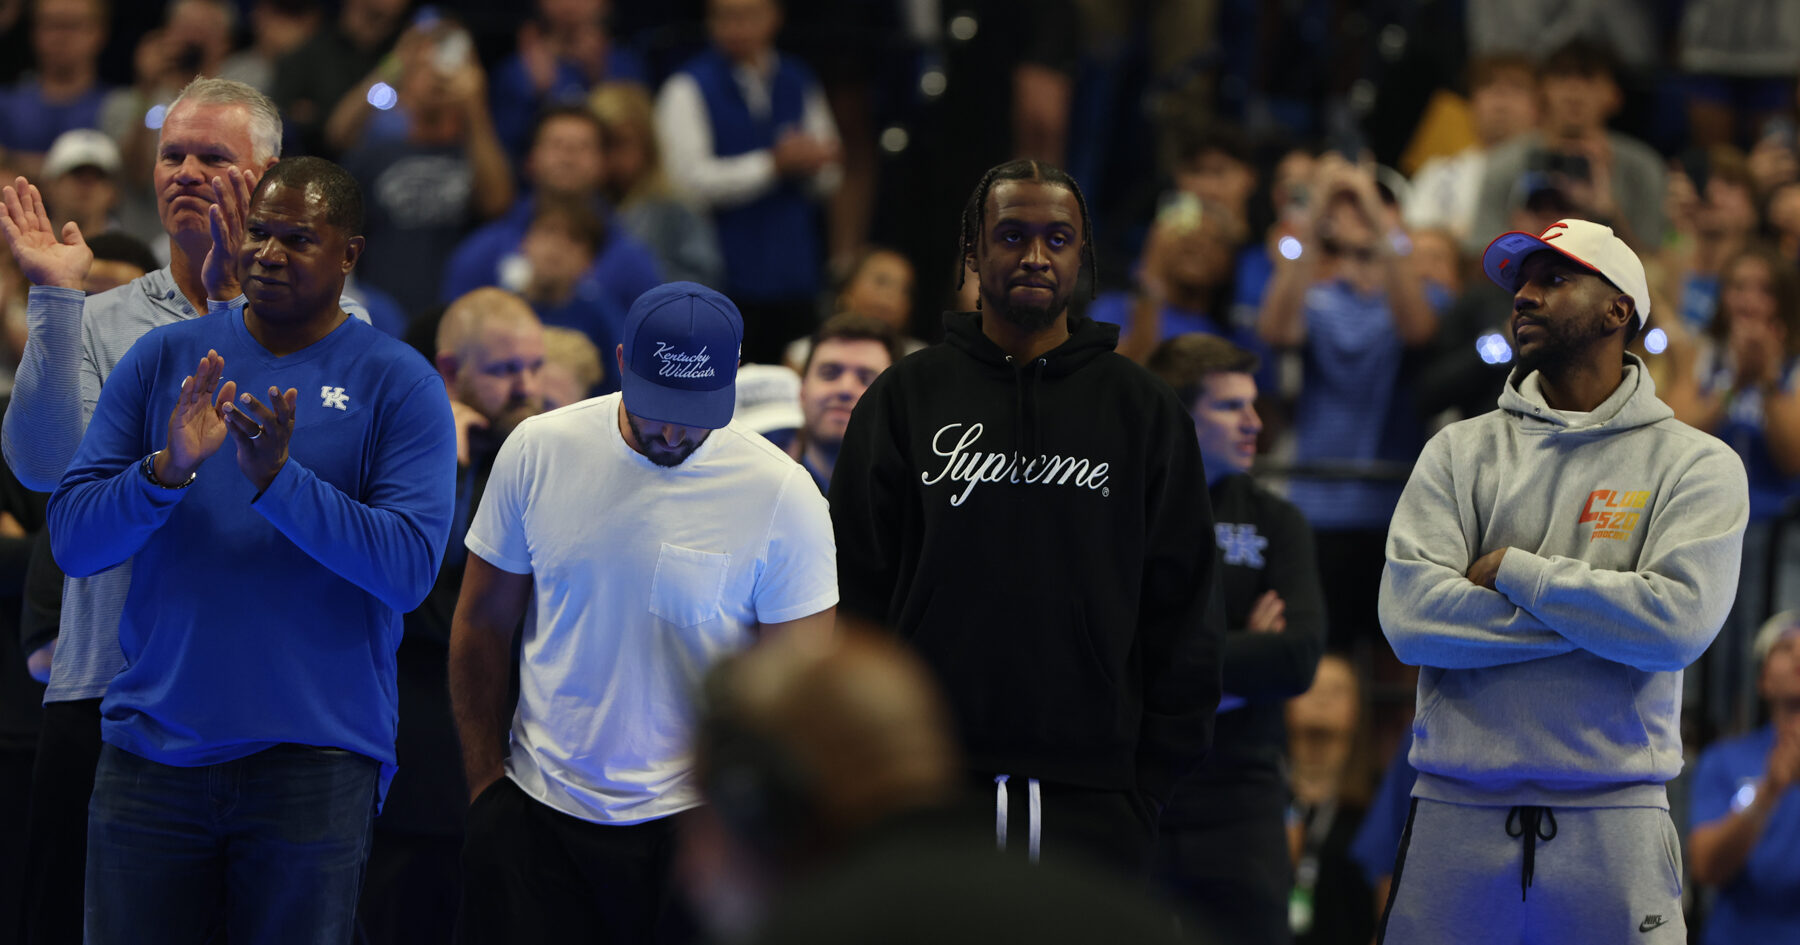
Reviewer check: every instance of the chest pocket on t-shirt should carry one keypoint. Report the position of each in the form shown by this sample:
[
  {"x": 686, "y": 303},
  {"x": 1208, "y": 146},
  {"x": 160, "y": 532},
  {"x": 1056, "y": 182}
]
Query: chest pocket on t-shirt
[{"x": 687, "y": 585}]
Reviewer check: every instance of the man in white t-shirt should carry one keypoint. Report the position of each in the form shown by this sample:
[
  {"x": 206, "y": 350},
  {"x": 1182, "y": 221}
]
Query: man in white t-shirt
[{"x": 640, "y": 536}]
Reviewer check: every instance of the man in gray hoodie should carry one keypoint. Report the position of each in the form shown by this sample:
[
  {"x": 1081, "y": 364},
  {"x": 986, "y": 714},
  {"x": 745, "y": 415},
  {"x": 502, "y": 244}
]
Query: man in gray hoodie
[{"x": 1552, "y": 567}]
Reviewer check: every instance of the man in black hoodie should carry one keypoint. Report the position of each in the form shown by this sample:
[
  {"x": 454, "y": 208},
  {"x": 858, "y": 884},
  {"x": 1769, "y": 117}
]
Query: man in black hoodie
[
  {"x": 1027, "y": 508},
  {"x": 1223, "y": 850}
]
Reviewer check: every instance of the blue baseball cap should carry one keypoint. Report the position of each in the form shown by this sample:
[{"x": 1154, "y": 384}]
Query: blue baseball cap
[{"x": 681, "y": 353}]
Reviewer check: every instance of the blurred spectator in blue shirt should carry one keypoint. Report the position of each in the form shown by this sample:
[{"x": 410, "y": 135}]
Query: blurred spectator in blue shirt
[
  {"x": 429, "y": 163},
  {"x": 1746, "y": 812},
  {"x": 1184, "y": 285},
  {"x": 566, "y": 165},
  {"x": 550, "y": 270},
  {"x": 563, "y": 52},
  {"x": 65, "y": 90},
  {"x": 1742, "y": 386},
  {"x": 1346, "y": 293}
]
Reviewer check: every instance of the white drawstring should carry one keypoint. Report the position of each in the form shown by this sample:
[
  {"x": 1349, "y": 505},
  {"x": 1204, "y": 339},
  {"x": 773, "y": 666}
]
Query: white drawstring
[
  {"x": 1000, "y": 811},
  {"x": 1034, "y": 815}
]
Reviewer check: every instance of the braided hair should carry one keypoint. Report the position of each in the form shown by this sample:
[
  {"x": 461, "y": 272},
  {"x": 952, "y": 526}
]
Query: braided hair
[{"x": 1039, "y": 172}]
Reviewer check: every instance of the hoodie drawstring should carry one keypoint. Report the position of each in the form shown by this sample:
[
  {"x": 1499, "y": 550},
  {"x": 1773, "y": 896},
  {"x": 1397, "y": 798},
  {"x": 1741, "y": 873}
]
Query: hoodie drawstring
[
  {"x": 1531, "y": 823},
  {"x": 1027, "y": 432},
  {"x": 1037, "y": 384},
  {"x": 1034, "y": 815}
]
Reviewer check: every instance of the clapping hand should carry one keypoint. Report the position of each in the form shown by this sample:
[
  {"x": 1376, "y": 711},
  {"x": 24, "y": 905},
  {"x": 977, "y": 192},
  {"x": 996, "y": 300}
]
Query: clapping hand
[
  {"x": 196, "y": 425},
  {"x": 261, "y": 434},
  {"x": 231, "y": 204},
  {"x": 43, "y": 258}
]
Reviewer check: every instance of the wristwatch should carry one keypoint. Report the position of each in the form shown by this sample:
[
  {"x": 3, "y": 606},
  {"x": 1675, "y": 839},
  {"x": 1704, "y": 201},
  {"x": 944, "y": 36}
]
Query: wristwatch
[{"x": 148, "y": 468}]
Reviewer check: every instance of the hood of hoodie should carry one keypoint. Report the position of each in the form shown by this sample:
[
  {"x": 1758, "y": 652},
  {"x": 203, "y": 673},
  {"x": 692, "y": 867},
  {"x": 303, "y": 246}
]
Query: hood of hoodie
[
  {"x": 1088, "y": 339},
  {"x": 1632, "y": 404}
]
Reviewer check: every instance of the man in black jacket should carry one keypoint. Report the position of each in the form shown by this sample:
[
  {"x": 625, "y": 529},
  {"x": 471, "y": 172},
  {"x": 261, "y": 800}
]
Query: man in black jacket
[
  {"x": 1021, "y": 504},
  {"x": 490, "y": 349},
  {"x": 1223, "y": 849}
]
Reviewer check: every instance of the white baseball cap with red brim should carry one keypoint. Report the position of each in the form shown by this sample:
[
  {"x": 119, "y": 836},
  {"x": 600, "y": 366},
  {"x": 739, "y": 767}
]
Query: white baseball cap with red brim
[{"x": 1587, "y": 244}]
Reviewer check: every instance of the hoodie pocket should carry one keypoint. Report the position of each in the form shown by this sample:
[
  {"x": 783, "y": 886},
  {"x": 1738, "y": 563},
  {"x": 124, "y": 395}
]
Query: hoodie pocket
[
  {"x": 687, "y": 585},
  {"x": 1671, "y": 850},
  {"x": 1023, "y": 673},
  {"x": 1569, "y": 721}
]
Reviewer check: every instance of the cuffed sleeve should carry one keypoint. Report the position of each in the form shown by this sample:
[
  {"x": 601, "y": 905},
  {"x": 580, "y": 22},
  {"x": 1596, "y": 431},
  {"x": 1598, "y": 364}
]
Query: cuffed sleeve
[
  {"x": 53, "y": 390},
  {"x": 105, "y": 509}
]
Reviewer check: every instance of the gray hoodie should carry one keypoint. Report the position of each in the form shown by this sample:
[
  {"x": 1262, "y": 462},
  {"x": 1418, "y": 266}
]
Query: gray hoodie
[{"x": 1563, "y": 686}]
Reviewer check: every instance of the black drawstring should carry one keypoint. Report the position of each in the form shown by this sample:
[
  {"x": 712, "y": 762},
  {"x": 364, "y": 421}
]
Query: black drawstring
[
  {"x": 1530, "y": 825},
  {"x": 1037, "y": 384},
  {"x": 1025, "y": 429},
  {"x": 1019, "y": 445}
]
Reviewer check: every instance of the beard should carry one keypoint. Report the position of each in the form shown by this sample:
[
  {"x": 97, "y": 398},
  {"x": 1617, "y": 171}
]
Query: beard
[
  {"x": 655, "y": 450},
  {"x": 1564, "y": 341},
  {"x": 514, "y": 413},
  {"x": 1027, "y": 317}
]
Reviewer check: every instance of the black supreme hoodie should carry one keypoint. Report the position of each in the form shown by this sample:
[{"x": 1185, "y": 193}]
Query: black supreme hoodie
[{"x": 1040, "y": 532}]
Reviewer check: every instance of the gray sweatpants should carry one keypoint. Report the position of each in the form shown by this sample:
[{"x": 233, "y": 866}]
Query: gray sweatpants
[{"x": 1604, "y": 875}]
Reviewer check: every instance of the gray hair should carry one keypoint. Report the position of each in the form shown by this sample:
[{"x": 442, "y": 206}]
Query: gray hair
[{"x": 265, "y": 119}]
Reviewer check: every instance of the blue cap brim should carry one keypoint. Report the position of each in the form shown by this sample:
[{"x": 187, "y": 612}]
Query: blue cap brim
[
  {"x": 1502, "y": 257},
  {"x": 705, "y": 409}
]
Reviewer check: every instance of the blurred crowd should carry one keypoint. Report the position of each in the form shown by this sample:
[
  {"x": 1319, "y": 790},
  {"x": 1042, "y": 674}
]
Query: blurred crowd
[{"x": 1313, "y": 180}]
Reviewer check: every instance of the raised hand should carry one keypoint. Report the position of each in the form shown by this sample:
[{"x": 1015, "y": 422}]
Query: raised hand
[
  {"x": 231, "y": 204},
  {"x": 43, "y": 258},
  {"x": 467, "y": 418},
  {"x": 1268, "y": 614},
  {"x": 196, "y": 429},
  {"x": 261, "y": 433},
  {"x": 1486, "y": 569}
]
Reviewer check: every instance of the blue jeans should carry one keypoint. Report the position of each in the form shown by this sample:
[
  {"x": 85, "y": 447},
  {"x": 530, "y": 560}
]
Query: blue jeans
[{"x": 267, "y": 849}]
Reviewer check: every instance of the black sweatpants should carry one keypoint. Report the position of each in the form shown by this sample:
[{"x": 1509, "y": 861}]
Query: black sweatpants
[
  {"x": 1231, "y": 879},
  {"x": 410, "y": 888},
  {"x": 533, "y": 874},
  {"x": 62, "y": 780}
]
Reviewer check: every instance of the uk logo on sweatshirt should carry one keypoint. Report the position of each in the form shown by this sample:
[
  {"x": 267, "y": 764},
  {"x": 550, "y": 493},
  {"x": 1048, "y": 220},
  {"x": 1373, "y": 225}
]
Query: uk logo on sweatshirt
[
  {"x": 1614, "y": 512},
  {"x": 1240, "y": 544}
]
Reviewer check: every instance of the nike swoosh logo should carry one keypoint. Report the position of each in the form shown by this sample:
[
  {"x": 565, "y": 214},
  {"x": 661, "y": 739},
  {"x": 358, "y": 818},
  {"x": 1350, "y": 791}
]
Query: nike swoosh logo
[{"x": 1651, "y": 922}]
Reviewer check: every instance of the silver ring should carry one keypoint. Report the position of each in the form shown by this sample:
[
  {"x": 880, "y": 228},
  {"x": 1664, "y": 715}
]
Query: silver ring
[{"x": 258, "y": 433}]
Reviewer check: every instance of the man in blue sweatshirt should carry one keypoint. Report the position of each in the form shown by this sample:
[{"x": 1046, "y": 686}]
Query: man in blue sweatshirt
[
  {"x": 212, "y": 127},
  {"x": 251, "y": 732},
  {"x": 1552, "y": 567}
]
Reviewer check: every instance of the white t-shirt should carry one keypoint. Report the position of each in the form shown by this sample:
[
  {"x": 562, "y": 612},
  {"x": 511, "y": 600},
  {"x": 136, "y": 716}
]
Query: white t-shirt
[{"x": 643, "y": 577}]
